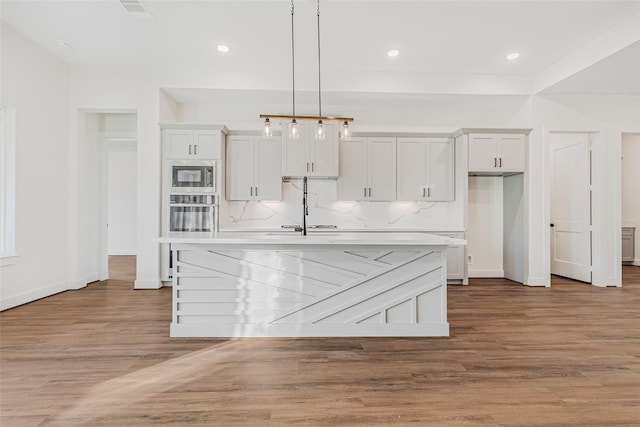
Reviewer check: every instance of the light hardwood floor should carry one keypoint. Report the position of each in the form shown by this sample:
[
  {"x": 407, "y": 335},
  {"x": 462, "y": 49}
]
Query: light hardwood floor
[{"x": 568, "y": 355}]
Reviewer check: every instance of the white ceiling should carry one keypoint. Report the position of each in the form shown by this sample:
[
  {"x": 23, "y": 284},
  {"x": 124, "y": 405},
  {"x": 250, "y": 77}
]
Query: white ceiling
[{"x": 471, "y": 37}]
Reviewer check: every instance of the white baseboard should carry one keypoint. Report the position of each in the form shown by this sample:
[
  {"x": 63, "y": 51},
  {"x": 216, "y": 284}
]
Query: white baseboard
[
  {"x": 123, "y": 252},
  {"x": 485, "y": 273},
  {"x": 636, "y": 262},
  {"x": 147, "y": 284},
  {"x": 33, "y": 295}
]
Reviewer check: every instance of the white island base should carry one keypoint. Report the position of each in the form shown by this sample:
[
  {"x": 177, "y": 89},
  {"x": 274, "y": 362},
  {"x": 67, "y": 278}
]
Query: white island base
[{"x": 241, "y": 285}]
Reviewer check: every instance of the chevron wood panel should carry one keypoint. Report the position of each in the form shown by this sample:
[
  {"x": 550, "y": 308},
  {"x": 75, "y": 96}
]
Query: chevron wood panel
[{"x": 308, "y": 292}]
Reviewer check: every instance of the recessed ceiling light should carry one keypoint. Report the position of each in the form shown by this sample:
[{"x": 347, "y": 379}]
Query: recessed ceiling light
[
  {"x": 223, "y": 48},
  {"x": 393, "y": 52},
  {"x": 512, "y": 56}
]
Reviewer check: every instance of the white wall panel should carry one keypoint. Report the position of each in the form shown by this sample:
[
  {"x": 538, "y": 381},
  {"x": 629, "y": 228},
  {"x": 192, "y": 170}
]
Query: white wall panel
[
  {"x": 485, "y": 228},
  {"x": 37, "y": 85}
]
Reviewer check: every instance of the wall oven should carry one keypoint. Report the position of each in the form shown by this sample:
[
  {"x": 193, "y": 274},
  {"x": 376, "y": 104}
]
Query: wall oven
[
  {"x": 193, "y": 213},
  {"x": 193, "y": 176}
]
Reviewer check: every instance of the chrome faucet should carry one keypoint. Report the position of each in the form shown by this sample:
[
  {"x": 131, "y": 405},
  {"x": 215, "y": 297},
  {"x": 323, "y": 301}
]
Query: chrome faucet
[{"x": 305, "y": 206}]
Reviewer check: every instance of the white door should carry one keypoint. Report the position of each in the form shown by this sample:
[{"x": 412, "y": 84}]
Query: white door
[{"x": 571, "y": 206}]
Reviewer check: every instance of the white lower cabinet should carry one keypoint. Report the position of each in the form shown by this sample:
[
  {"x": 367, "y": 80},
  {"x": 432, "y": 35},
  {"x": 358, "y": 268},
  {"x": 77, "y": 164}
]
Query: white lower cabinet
[
  {"x": 425, "y": 169},
  {"x": 368, "y": 169},
  {"x": 253, "y": 168}
]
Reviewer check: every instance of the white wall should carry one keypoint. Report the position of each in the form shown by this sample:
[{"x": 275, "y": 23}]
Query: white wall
[
  {"x": 37, "y": 85},
  {"x": 124, "y": 90},
  {"x": 631, "y": 187},
  {"x": 485, "y": 229}
]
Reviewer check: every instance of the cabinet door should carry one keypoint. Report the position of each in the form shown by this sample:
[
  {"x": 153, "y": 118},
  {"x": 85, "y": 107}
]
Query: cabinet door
[
  {"x": 381, "y": 162},
  {"x": 440, "y": 170},
  {"x": 511, "y": 153},
  {"x": 352, "y": 183},
  {"x": 178, "y": 144},
  {"x": 206, "y": 145},
  {"x": 411, "y": 159},
  {"x": 324, "y": 154},
  {"x": 240, "y": 167},
  {"x": 295, "y": 152},
  {"x": 268, "y": 178},
  {"x": 483, "y": 156}
]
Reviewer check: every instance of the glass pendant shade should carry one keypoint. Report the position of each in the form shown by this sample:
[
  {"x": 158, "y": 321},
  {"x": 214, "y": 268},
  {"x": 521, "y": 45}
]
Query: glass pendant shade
[
  {"x": 320, "y": 134},
  {"x": 294, "y": 132},
  {"x": 267, "y": 128},
  {"x": 346, "y": 131}
]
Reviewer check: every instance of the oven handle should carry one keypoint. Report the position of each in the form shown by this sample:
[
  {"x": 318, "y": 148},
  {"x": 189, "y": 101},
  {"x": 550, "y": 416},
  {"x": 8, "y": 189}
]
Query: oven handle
[{"x": 187, "y": 205}]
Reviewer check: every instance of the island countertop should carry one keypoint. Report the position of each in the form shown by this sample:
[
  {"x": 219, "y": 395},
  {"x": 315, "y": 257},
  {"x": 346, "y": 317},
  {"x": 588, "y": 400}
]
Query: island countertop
[{"x": 313, "y": 238}]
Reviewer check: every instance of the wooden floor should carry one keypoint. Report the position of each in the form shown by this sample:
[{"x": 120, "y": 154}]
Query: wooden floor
[{"x": 568, "y": 355}]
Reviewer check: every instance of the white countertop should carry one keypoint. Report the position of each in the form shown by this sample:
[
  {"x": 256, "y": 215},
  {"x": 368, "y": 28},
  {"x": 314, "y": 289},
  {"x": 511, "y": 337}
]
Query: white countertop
[{"x": 320, "y": 238}]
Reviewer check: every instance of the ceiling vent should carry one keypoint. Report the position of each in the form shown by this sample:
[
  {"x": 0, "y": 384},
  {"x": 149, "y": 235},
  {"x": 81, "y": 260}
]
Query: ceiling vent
[{"x": 137, "y": 9}]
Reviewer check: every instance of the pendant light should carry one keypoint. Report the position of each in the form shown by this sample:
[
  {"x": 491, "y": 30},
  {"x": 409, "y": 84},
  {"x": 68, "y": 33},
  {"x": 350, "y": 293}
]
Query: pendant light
[
  {"x": 346, "y": 131},
  {"x": 293, "y": 131},
  {"x": 267, "y": 128},
  {"x": 319, "y": 133}
]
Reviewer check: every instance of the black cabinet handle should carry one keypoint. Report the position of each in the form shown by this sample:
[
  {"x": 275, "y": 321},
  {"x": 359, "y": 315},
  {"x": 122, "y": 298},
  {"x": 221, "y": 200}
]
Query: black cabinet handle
[{"x": 552, "y": 225}]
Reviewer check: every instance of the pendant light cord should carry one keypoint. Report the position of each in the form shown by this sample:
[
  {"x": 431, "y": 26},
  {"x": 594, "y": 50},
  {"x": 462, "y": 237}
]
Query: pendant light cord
[
  {"x": 293, "y": 65},
  {"x": 319, "y": 92}
]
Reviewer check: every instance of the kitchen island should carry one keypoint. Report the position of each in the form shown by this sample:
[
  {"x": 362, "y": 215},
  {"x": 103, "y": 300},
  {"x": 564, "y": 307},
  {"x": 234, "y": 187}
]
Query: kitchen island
[{"x": 282, "y": 284}]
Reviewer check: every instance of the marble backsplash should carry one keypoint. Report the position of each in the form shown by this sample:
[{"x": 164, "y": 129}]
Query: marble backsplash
[{"x": 324, "y": 208}]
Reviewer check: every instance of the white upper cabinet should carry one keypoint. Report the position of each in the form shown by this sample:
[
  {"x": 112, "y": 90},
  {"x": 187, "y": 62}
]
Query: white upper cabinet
[
  {"x": 367, "y": 169},
  {"x": 496, "y": 153},
  {"x": 253, "y": 168},
  {"x": 191, "y": 144},
  {"x": 306, "y": 156},
  {"x": 425, "y": 169}
]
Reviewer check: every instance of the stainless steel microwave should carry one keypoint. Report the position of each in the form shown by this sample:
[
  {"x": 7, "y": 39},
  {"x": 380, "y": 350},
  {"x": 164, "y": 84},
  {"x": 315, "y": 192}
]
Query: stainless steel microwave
[{"x": 194, "y": 176}]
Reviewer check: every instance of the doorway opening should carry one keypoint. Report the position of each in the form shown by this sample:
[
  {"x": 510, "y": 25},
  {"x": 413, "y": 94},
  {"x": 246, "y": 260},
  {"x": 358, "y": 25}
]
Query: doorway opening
[
  {"x": 109, "y": 195},
  {"x": 630, "y": 178}
]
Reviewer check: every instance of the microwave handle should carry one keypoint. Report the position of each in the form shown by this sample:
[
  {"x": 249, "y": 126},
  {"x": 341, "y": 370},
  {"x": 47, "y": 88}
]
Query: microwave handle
[{"x": 209, "y": 177}]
